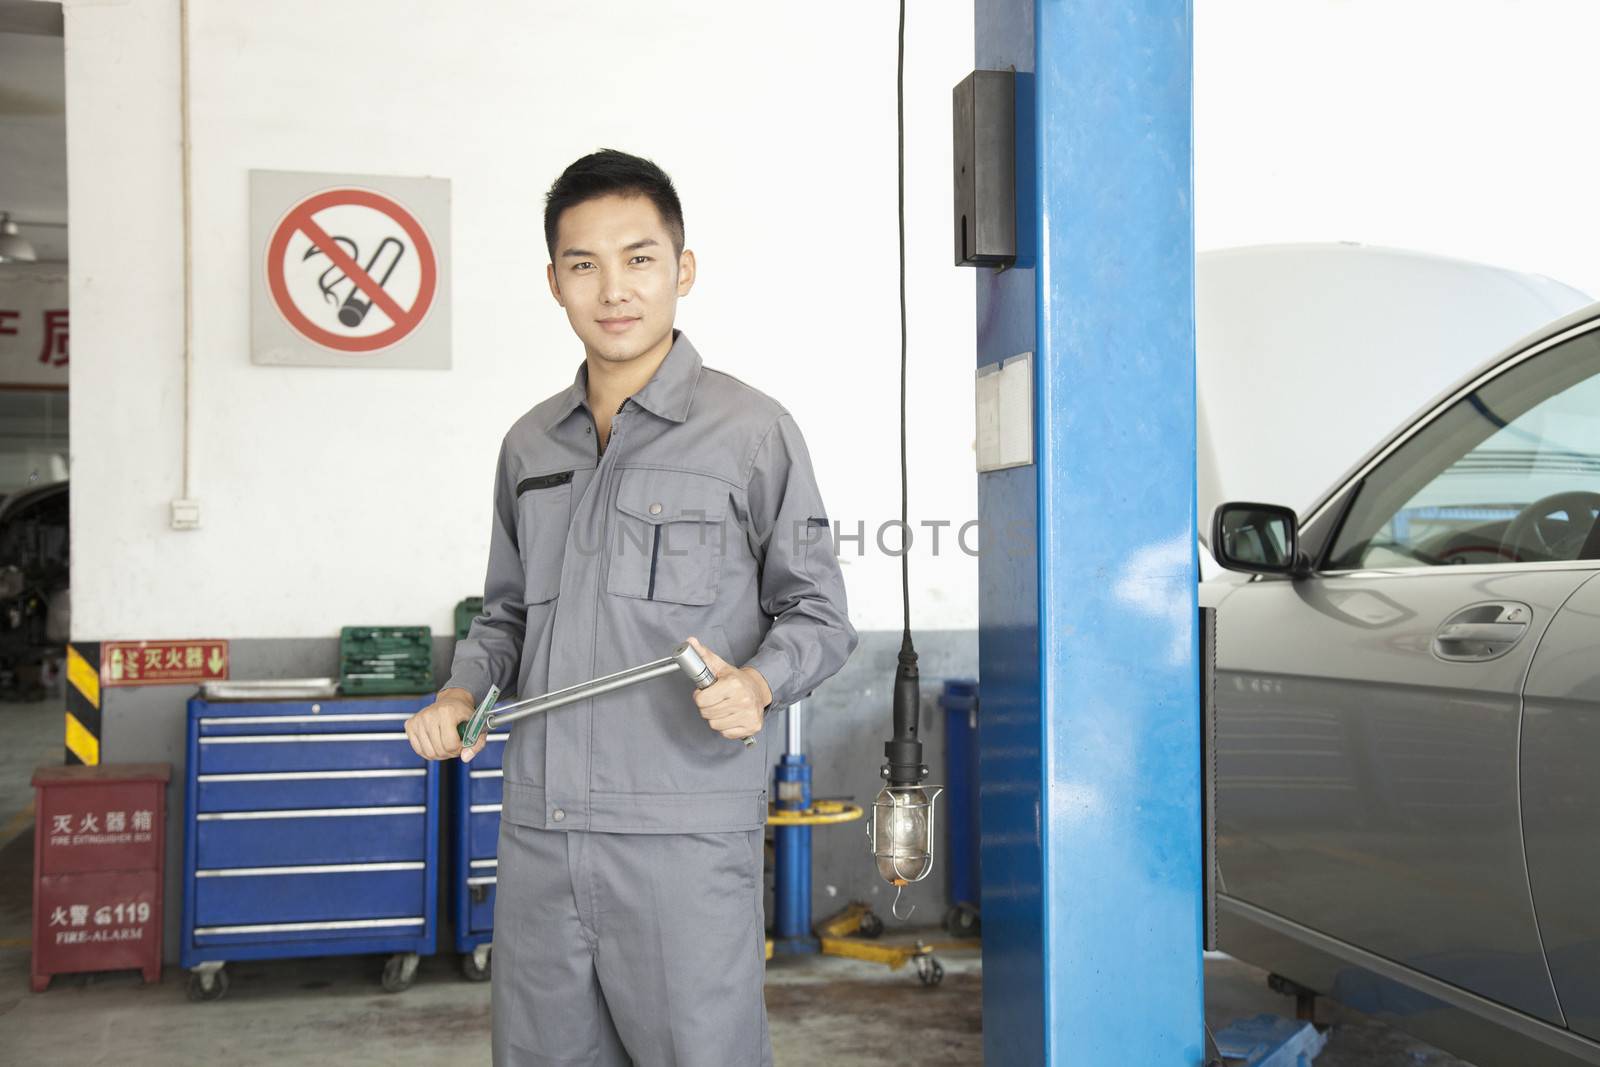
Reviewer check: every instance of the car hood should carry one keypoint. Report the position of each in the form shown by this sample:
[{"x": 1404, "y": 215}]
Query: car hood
[{"x": 1308, "y": 354}]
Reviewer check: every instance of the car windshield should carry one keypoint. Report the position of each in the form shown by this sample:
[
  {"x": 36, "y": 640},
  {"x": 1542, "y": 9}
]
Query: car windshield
[{"x": 1509, "y": 473}]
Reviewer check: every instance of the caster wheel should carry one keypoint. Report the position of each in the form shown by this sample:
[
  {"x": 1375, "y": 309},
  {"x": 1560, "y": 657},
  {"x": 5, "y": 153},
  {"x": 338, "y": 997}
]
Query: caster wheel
[
  {"x": 475, "y": 964},
  {"x": 962, "y": 921},
  {"x": 930, "y": 971},
  {"x": 870, "y": 926},
  {"x": 399, "y": 971},
  {"x": 205, "y": 986}
]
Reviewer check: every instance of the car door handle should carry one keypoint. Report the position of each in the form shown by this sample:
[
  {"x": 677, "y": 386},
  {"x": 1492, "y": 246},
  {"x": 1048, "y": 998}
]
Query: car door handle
[
  {"x": 1456, "y": 632},
  {"x": 1482, "y": 631}
]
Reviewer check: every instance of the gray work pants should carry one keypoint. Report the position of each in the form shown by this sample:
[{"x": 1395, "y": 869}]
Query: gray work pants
[{"x": 618, "y": 949}]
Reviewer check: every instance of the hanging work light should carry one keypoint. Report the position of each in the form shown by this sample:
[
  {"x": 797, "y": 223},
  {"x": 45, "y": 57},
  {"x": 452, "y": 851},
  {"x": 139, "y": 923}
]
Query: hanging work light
[{"x": 902, "y": 825}]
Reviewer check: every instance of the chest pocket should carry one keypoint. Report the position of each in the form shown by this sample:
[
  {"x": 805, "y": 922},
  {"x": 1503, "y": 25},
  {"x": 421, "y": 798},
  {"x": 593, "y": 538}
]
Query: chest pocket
[
  {"x": 669, "y": 536},
  {"x": 544, "y": 512}
]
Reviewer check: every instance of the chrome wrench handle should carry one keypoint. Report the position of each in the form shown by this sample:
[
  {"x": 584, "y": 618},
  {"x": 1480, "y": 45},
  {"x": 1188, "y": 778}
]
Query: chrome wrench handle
[{"x": 684, "y": 658}]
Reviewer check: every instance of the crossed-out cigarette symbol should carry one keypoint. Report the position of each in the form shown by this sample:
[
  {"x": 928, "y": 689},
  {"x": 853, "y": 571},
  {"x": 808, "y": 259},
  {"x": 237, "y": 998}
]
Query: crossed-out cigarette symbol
[
  {"x": 350, "y": 285},
  {"x": 355, "y": 306}
]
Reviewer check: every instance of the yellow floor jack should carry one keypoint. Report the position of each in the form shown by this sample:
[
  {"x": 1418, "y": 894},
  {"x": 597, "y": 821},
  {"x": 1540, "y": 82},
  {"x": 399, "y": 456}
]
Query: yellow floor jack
[{"x": 850, "y": 933}]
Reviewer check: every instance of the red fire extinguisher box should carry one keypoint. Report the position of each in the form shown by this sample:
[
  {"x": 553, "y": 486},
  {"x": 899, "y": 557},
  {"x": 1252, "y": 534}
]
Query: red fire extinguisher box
[{"x": 98, "y": 856}]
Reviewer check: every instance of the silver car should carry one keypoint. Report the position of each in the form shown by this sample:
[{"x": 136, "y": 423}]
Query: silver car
[{"x": 1407, "y": 695}]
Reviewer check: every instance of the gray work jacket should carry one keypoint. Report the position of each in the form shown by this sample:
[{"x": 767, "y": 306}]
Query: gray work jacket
[{"x": 701, "y": 517}]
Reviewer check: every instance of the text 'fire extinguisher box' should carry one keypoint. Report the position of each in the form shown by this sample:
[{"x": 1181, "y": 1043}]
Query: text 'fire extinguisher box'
[{"x": 98, "y": 855}]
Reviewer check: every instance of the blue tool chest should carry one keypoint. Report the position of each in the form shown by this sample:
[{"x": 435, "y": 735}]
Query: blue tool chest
[
  {"x": 474, "y": 851},
  {"x": 310, "y": 829}
]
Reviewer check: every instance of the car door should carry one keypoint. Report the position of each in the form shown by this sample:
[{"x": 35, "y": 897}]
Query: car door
[
  {"x": 1561, "y": 803},
  {"x": 1369, "y": 714}
]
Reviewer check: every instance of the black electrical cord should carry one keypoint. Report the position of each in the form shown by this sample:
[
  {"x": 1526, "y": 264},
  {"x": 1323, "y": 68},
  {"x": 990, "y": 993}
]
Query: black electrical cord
[
  {"x": 903, "y": 751},
  {"x": 900, "y": 130}
]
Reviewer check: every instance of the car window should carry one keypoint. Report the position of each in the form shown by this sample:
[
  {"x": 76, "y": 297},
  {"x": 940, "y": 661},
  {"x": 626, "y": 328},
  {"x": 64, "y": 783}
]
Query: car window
[{"x": 1507, "y": 474}]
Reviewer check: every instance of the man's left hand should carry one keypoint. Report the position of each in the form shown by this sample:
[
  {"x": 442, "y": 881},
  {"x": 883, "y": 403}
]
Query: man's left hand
[{"x": 735, "y": 704}]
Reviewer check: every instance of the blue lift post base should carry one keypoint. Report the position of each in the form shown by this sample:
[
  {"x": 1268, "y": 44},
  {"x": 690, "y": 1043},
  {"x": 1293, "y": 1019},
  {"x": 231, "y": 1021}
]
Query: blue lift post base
[
  {"x": 852, "y": 932},
  {"x": 1269, "y": 1041},
  {"x": 856, "y": 919}
]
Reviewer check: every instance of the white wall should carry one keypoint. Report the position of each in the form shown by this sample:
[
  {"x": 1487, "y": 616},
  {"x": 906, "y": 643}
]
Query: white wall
[
  {"x": 333, "y": 496},
  {"x": 1457, "y": 127}
]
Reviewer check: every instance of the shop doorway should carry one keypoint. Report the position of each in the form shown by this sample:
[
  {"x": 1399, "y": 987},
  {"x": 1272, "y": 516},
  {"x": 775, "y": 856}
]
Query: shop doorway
[{"x": 35, "y": 349}]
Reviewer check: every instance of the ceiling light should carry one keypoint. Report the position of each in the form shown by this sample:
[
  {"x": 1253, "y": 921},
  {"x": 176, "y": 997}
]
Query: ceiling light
[{"x": 13, "y": 247}]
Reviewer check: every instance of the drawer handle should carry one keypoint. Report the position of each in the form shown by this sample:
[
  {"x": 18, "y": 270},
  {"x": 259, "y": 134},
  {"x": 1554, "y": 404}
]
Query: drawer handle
[
  {"x": 310, "y": 776},
  {"x": 256, "y": 720},
  {"x": 325, "y": 868},
  {"x": 307, "y": 813},
  {"x": 289, "y": 928},
  {"x": 285, "y": 739}
]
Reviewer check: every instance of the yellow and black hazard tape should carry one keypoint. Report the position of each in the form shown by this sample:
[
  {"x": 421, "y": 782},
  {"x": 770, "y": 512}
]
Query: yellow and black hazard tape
[{"x": 83, "y": 703}]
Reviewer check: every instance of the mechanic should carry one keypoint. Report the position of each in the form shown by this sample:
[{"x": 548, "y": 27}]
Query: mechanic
[{"x": 652, "y": 500}]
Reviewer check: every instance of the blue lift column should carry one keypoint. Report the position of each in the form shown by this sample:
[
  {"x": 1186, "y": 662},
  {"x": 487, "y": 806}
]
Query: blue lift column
[
  {"x": 1090, "y": 738},
  {"x": 791, "y": 845}
]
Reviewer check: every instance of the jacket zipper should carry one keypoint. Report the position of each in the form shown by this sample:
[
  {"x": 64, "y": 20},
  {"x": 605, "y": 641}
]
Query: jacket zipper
[
  {"x": 544, "y": 481},
  {"x": 655, "y": 553},
  {"x": 603, "y": 484}
]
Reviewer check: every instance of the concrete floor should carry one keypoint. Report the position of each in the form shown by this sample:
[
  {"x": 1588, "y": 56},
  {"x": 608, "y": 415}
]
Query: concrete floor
[{"x": 823, "y": 1011}]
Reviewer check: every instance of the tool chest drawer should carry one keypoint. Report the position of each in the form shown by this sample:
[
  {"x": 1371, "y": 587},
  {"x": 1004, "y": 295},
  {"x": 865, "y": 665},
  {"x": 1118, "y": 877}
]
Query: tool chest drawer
[
  {"x": 484, "y": 830},
  {"x": 300, "y": 836},
  {"x": 334, "y": 717},
  {"x": 480, "y": 904},
  {"x": 246, "y": 737},
  {"x": 275, "y": 791},
  {"x": 230, "y": 896},
  {"x": 492, "y": 756},
  {"x": 305, "y": 752},
  {"x": 311, "y": 828},
  {"x": 486, "y": 786}
]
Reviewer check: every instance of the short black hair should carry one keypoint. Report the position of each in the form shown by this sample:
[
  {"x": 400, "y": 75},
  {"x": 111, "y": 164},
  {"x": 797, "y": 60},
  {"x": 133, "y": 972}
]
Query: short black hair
[{"x": 612, "y": 173}]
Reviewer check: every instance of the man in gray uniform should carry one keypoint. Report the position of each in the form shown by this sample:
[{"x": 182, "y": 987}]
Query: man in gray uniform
[{"x": 652, "y": 500}]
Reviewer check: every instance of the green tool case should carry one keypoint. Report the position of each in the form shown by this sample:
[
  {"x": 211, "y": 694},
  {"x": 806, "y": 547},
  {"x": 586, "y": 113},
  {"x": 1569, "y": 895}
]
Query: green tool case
[
  {"x": 380, "y": 660},
  {"x": 466, "y": 611}
]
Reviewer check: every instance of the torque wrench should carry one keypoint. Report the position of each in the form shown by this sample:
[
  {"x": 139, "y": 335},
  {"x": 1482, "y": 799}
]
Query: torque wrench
[{"x": 487, "y": 717}]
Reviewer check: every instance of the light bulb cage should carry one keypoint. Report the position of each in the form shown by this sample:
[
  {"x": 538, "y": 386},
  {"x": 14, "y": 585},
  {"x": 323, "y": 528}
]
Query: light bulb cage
[{"x": 901, "y": 862}]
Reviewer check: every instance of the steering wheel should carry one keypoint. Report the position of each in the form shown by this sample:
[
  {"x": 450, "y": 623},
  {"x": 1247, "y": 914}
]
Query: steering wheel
[{"x": 1527, "y": 540}]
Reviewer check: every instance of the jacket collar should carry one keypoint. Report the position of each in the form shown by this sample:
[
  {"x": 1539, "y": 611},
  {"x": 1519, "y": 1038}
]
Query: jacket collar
[{"x": 668, "y": 393}]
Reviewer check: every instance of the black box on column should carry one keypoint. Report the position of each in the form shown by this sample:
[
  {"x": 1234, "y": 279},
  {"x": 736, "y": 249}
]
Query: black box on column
[{"x": 985, "y": 169}]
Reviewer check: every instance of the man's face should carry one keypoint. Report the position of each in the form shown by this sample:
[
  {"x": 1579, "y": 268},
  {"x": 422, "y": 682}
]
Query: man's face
[{"x": 617, "y": 277}]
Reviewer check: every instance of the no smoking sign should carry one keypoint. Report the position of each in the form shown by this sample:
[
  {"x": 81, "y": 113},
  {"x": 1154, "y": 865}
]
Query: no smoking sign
[{"x": 352, "y": 270}]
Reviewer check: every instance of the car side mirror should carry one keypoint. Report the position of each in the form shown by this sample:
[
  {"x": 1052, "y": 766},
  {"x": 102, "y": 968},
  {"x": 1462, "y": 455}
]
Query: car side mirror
[{"x": 1257, "y": 539}]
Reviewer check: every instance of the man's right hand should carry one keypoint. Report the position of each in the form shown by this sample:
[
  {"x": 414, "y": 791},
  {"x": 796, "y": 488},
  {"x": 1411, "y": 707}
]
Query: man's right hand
[{"x": 432, "y": 731}]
